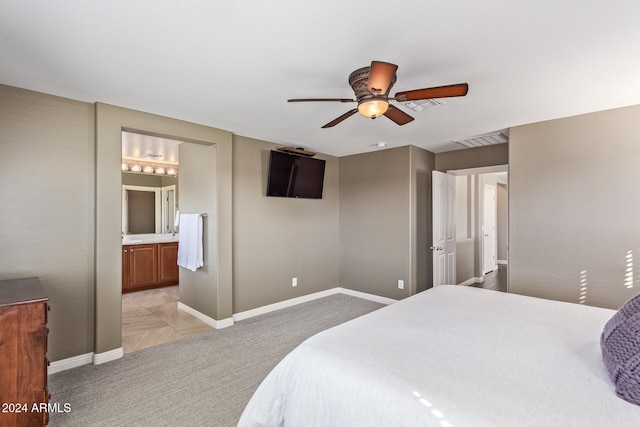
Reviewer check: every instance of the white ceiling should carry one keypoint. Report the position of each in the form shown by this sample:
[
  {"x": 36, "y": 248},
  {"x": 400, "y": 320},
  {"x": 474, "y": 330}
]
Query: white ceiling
[{"x": 233, "y": 64}]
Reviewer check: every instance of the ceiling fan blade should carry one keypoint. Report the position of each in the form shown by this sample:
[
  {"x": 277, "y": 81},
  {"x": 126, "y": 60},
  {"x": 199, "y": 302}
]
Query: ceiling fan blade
[
  {"x": 380, "y": 77},
  {"x": 321, "y": 100},
  {"x": 460, "y": 89},
  {"x": 398, "y": 116},
  {"x": 341, "y": 118}
]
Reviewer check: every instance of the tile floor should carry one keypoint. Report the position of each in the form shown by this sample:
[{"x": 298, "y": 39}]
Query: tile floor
[{"x": 152, "y": 317}]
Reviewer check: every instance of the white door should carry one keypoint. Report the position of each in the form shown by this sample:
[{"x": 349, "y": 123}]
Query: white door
[
  {"x": 444, "y": 229},
  {"x": 489, "y": 228}
]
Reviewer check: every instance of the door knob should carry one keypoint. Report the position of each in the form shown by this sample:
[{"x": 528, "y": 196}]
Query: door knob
[{"x": 435, "y": 248}]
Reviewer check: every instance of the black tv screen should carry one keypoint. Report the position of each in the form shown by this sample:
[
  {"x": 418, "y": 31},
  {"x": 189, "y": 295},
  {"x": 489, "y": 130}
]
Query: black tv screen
[{"x": 291, "y": 175}]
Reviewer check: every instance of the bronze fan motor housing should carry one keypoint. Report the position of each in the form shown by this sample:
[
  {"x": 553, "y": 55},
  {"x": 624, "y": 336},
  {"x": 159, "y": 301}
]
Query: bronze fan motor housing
[{"x": 359, "y": 82}]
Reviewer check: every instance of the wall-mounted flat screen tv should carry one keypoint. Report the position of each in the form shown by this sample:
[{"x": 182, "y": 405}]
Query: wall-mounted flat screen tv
[{"x": 291, "y": 175}]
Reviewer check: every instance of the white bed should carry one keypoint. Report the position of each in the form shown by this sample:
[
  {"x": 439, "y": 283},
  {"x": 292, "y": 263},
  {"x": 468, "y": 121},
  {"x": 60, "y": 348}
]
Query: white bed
[{"x": 450, "y": 356}]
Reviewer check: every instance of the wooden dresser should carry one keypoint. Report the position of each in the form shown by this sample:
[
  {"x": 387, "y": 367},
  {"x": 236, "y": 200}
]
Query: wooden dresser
[{"x": 23, "y": 349}]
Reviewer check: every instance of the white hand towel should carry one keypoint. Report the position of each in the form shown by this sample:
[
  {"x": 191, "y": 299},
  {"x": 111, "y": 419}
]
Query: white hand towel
[
  {"x": 183, "y": 241},
  {"x": 190, "y": 248},
  {"x": 199, "y": 250}
]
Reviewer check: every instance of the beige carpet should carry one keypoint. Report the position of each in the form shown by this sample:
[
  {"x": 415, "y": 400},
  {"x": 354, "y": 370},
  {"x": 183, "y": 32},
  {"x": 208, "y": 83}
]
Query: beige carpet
[{"x": 202, "y": 380}]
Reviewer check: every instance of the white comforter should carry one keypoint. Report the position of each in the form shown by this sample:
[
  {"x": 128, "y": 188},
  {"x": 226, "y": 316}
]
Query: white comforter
[{"x": 450, "y": 356}]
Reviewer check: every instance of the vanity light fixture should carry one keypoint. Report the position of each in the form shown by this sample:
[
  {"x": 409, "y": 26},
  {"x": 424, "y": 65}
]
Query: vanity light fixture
[{"x": 140, "y": 166}]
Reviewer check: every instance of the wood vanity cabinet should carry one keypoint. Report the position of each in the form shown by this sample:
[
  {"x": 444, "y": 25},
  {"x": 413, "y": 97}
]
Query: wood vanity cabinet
[
  {"x": 168, "y": 263},
  {"x": 149, "y": 266},
  {"x": 23, "y": 348}
]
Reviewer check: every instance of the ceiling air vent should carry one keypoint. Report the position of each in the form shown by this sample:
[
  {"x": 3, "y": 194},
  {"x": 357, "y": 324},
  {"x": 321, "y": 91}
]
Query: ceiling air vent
[
  {"x": 421, "y": 104},
  {"x": 482, "y": 140}
]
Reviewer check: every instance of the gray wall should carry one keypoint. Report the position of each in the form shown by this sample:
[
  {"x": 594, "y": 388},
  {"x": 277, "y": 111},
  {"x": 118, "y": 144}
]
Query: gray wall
[
  {"x": 422, "y": 163},
  {"x": 276, "y": 238},
  {"x": 491, "y": 155},
  {"x": 198, "y": 186},
  {"x": 465, "y": 260},
  {"x": 47, "y": 216},
  {"x": 375, "y": 221},
  {"x": 573, "y": 209}
]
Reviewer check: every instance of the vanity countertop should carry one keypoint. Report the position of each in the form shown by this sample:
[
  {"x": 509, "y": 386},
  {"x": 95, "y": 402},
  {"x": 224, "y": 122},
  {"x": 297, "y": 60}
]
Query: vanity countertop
[{"x": 142, "y": 239}]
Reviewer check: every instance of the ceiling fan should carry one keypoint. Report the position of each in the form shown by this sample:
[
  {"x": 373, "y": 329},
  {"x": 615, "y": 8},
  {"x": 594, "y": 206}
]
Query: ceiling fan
[{"x": 371, "y": 86}]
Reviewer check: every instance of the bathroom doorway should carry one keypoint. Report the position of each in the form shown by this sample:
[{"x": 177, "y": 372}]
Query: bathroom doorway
[{"x": 150, "y": 233}]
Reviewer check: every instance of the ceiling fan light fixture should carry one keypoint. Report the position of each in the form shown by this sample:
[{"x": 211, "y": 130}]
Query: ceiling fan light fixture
[
  {"x": 373, "y": 107},
  {"x": 371, "y": 86}
]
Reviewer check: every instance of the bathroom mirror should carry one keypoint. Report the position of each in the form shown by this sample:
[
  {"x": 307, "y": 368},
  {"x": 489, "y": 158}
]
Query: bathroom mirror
[
  {"x": 149, "y": 183},
  {"x": 148, "y": 210}
]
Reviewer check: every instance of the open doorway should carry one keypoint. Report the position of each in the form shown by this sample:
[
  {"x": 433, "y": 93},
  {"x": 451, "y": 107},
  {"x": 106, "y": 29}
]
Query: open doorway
[
  {"x": 482, "y": 227},
  {"x": 150, "y": 234}
]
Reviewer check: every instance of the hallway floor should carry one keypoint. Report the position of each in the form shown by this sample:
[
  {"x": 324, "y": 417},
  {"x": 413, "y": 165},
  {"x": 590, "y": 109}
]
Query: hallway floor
[
  {"x": 152, "y": 317},
  {"x": 496, "y": 280}
]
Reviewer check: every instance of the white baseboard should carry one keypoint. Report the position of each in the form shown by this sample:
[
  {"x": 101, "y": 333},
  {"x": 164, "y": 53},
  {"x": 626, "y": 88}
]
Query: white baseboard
[
  {"x": 370, "y": 297},
  {"x": 216, "y": 324},
  {"x": 84, "y": 359},
  {"x": 108, "y": 356},
  {"x": 306, "y": 298},
  {"x": 468, "y": 282},
  {"x": 282, "y": 304},
  {"x": 69, "y": 363}
]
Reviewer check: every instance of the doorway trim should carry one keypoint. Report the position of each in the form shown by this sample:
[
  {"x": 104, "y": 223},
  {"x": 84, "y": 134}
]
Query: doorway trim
[{"x": 110, "y": 121}]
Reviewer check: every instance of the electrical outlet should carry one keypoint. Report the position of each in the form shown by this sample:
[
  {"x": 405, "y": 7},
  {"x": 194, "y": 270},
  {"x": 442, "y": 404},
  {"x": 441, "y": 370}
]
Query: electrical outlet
[
  {"x": 400, "y": 284},
  {"x": 294, "y": 282}
]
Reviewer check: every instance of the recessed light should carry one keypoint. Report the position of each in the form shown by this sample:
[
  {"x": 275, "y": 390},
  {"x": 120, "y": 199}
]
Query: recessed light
[{"x": 381, "y": 144}]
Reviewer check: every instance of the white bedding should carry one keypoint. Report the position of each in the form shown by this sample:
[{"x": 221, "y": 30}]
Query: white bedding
[{"x": 449, "y": 356}]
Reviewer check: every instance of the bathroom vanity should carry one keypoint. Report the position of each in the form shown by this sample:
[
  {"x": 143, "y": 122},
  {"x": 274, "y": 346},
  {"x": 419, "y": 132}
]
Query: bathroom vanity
[{"x": 149, "y": 261}]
